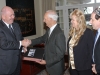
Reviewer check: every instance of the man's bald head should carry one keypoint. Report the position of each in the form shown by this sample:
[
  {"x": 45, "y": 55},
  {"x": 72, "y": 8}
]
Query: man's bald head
[
  {"x": 7, "y": 14},
  {"x": 6, "y": 9}
]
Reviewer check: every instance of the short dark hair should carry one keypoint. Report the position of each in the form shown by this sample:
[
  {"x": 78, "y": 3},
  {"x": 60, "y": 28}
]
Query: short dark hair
[{"x": 97, "y": 12}]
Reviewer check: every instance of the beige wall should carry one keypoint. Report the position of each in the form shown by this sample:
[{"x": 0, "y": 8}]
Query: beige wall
[
  {"x": 2, "y": 4},
  {"x": 38, "y": 17}
]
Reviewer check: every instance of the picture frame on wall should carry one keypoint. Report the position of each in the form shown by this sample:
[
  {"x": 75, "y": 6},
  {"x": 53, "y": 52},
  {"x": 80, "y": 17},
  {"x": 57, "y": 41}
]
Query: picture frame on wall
[{"x": 24, "y": 15}]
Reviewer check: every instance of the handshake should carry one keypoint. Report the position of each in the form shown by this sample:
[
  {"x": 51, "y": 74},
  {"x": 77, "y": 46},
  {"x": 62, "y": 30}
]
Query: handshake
[{"x": 26, "y": 42}]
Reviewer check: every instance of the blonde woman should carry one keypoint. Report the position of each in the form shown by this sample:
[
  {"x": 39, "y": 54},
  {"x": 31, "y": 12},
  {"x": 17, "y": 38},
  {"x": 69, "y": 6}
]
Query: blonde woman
[{"x": 80, "y": 45}]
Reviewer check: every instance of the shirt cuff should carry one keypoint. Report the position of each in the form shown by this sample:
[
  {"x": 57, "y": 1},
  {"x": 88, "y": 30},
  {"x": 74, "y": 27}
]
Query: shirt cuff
[{"x": 20, "y": 44}]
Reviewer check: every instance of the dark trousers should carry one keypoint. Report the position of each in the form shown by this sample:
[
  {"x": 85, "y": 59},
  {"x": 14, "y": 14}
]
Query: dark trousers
[
  {"x": 18, "y": 68},
  {"x": 76, "y": 72},
  {"x": 16, "y": 72},
  {"x": 96, "y": 74}
]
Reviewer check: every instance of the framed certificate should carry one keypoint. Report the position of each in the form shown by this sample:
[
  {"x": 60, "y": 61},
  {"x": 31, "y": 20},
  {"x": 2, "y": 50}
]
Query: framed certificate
[{"x": 34, "y": 53}]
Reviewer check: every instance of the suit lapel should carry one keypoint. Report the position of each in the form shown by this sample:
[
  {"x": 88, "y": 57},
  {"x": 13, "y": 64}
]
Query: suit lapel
[{"x": 4, "y": 26}]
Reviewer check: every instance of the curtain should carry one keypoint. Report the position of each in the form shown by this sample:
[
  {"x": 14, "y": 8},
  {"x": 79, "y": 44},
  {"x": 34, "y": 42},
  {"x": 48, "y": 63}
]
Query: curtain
[{"x": 47, "y": 5}]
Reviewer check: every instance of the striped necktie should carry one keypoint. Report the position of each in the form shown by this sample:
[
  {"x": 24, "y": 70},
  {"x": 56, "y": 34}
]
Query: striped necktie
[{"x": 12, "y": 31}]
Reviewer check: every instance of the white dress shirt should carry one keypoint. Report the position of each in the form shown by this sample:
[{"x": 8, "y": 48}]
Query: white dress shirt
[{"x": 51, "y": 29}]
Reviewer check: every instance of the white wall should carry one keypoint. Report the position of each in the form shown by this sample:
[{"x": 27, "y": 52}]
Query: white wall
[
  {"x": 2, "y": 4},
  {"x": 38, "y": 17}
]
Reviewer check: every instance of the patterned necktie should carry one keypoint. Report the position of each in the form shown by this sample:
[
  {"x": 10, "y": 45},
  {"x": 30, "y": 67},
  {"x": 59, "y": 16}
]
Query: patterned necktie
[{"x": 12, "y": 31}]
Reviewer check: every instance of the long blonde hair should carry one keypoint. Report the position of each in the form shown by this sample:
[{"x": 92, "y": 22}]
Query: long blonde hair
[{"x": 80, "y": 18}]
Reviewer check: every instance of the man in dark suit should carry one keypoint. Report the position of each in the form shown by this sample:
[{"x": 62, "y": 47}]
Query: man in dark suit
[
  {"x": 55, "y": 45},
  {"x": 11, "y": 41},
  {"x": 95, "y": 21}
]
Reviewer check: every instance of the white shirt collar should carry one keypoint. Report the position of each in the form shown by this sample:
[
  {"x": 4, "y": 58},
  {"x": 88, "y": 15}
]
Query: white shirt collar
[
  {"x": 52, "y": 28},
  {"x": 99, "y": 31},
  {"x": 7, "y": 24}
]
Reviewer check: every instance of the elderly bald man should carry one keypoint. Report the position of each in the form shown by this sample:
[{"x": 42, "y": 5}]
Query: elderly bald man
[{"x": 11, "y": 42}]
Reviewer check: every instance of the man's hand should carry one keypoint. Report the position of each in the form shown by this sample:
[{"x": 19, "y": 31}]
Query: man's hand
[
  {"x": 26, "y": 42},
  {"x": 42, "y": 62},
  {"x": 24, "y": 49},
  {"x": 93, "y": 69}
]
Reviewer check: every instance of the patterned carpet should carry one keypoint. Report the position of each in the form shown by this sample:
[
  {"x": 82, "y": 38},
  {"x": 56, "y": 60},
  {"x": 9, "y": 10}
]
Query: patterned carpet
[{"x": 45, "y": 73}]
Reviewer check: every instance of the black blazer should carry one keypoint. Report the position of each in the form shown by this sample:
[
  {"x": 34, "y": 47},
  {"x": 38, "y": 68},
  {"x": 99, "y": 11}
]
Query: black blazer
[
  {"x": 83, "y": 51},
  {"x": 9, "y": 48},
  {"x": 97, "y": 55},
  {"x": 55, "y": 47}
]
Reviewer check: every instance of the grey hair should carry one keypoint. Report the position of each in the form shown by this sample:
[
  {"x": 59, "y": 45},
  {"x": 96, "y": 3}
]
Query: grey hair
[{"x": 52, "y": 14}]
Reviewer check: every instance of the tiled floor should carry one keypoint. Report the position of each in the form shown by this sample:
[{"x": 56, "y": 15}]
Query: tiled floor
[{"x": 45, "y": 73}]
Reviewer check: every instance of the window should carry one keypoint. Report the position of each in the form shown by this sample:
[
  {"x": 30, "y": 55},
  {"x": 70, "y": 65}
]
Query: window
[{"x": 65, "y": 7}]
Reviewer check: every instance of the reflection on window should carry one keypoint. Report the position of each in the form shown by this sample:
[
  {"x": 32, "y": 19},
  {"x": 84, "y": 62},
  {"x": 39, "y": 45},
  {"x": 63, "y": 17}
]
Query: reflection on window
[{"x": 87, "y": 12}]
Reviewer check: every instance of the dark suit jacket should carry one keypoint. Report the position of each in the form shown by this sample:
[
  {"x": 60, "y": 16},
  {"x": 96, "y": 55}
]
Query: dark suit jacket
[
  {"x": 9, "y": 48},
  {"x": 97, "y": 55},
  {"x": 83, "y": 51},
  {"x": 55, "y": 47}
]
